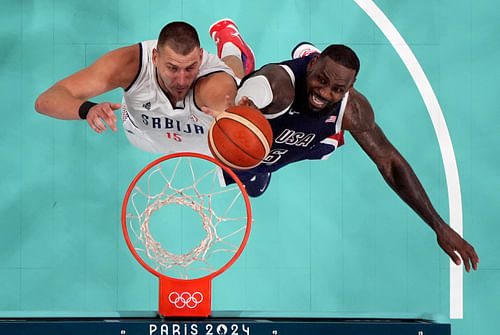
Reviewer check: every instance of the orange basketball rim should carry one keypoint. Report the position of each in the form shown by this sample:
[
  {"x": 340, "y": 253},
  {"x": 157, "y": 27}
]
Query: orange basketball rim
[{"x": 179, "y": 181}]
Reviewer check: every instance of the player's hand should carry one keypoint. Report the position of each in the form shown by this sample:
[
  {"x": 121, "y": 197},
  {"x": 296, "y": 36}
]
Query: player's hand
[
  {"x": 244, "y": 101},
  {"x": 454, "y": 245},
  {"x": 102, "y": 114},
  {"x": 210, "y": 111},
  {"x": 214, "y": 112}
]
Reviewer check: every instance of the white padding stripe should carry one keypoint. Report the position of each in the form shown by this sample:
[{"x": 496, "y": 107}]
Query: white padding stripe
[
  {"x": 256, "y": 89},
  {"x": 290, "y": 73},
  {"x": 340, "y": 117},
  {"x": 275, "y": 115}
]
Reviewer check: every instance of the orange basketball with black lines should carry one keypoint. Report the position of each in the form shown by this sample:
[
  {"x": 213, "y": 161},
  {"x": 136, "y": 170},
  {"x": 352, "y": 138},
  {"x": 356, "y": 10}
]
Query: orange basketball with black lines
[{"x": 240, "y": 137}]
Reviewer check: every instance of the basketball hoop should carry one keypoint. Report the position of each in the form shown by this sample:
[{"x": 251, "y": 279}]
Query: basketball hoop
[{"x": 168, "y": 199}]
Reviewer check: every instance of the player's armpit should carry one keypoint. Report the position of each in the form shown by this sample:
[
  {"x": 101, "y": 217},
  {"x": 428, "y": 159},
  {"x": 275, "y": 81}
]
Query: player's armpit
[{"x": 359, "y": 115}]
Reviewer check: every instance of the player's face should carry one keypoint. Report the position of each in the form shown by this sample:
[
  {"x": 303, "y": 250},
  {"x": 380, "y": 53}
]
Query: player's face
[
  {"x": 327, "y": 82},
  {"x": 177, "y": 72}
]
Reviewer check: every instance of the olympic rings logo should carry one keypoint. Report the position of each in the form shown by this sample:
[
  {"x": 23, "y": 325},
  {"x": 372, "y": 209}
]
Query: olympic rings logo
[{"x": 185, "y": 299}]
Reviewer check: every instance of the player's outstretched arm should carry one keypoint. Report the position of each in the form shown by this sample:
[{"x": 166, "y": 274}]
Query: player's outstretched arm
[
  {"x": 398, "y": 174},
  {"x": 269, "y": 89},
  {"x": 64, "y": 99}
]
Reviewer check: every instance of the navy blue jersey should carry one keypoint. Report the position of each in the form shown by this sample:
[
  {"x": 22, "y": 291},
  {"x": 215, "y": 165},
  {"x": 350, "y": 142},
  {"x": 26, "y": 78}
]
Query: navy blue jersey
[{"x": 298, "y": 133}]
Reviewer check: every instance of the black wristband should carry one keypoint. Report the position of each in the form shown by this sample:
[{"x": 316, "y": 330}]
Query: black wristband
[{"x": 84, "y": 109}]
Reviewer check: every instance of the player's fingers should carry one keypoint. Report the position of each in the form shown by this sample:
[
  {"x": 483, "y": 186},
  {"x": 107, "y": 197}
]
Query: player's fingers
[
  {"x": 206, "y": 110},
  {"x": 464, "y": 259},
  {"x": 470, "y": 257},
  {"x": 229, "y": 101},
  {"x": 111, "y": 123},
  {"x": 93, "y": 126},
  {"x": 109, "y": 117},
  {"x": 109, "y": 112},
  {"x": 474, "y": 256},
  {"x": 466, "y": 263},
  {"x": 99, "y": 124},
  {"x": 243, "y": 102},
  {"x": 209, "y": 111},
  {"x": 454, "y": 257},
  {"x": 115, "y": 106},
  {"x": 246, "y": 102},
  {"x": 93, "y": 118},
  {"x": 476, "y": 260},
  {"x": 474, "y": 263}
]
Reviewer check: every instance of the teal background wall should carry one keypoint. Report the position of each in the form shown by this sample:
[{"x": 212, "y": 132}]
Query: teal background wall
[{"x": 329, "y": 236}]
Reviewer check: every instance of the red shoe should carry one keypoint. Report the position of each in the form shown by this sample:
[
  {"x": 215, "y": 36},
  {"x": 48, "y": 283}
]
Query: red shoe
[{"x": 224, "y": 31}]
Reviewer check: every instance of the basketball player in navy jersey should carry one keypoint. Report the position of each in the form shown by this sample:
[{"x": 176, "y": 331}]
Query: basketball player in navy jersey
[
  {"x": 310, "y": 101},
  {"x": 165, "y": 82}
]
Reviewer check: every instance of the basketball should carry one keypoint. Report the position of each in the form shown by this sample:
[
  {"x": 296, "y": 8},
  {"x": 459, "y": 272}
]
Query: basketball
[{"x": 240, "y": 137}]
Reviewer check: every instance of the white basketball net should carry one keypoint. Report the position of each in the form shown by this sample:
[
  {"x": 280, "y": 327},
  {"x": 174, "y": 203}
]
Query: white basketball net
[{"x": 201, "y": 195}]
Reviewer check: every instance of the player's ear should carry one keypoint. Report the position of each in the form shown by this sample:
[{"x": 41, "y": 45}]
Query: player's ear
[
  {"x": 155, "y": 57},
  {"x": 352, "y": 84},
  {"x": 312, "y": 62}
]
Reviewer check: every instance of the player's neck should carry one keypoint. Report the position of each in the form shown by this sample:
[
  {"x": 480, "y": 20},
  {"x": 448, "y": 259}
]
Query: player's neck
[{"x": 174, "y": 99}]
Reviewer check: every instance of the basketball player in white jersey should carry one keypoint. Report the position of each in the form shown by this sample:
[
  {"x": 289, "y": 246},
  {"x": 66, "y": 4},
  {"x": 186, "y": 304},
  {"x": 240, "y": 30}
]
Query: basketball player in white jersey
[{"x": 165, "y": 83}]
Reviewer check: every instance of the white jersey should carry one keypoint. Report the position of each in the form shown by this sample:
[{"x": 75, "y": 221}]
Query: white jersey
[{"x": 152, "y": 123}]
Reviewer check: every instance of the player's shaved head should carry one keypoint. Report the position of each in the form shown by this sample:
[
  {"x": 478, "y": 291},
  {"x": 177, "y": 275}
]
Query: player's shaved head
[
  {"x": 342, "y": 55},
  {"x": 180, "y": 36}
]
